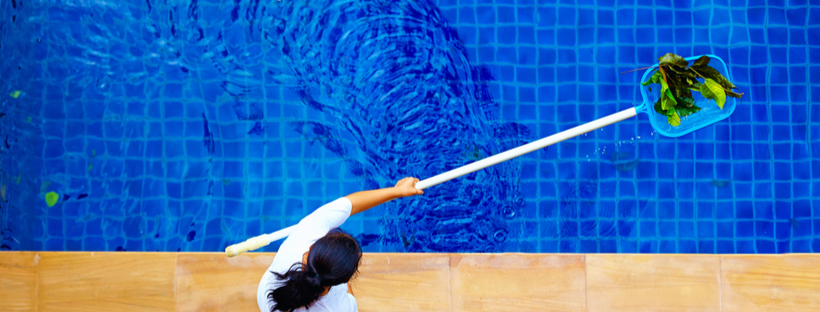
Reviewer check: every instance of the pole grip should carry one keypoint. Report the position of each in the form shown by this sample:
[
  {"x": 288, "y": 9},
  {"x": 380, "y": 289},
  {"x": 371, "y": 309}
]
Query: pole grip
[{"x": 252, "y": 243}]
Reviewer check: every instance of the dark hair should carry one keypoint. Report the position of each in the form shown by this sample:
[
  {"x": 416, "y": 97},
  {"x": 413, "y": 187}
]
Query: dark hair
[{"x": 333, "y": 260}]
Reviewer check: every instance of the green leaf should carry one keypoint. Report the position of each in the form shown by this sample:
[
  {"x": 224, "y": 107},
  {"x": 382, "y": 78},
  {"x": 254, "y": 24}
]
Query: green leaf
[
  {"x": 652, "y": 79},
  {"x": 686, "y": 101},
  {"x": 664, "y": 86},
  {"x": 695, "y": 86},
  {"x": 51, "y": 198},
  {"x": 711, "y": 73},
  {"x": 678, "y": 85},
  {"x": 668, "y": 100},
  {"x": 673, "y": 119},
  {"x": 659, "y": 108},
  {"x": 712, "y": 90},
  {"x": 672, "y": 59},
  {"x": 732, "y": 94},
  {"x": 701, "y": 61},
  {"x": 684, "y": 111}
]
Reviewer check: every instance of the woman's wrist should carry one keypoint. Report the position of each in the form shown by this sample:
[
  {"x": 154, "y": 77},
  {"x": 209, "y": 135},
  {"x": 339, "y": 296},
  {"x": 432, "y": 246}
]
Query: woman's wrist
[{"x": 395, "y": 193}]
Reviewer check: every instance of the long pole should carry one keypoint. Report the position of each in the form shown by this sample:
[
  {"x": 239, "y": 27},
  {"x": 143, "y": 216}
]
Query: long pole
[{"x": 265, "y": 239}]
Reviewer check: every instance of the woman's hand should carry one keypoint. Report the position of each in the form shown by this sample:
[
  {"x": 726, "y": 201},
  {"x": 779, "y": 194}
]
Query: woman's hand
[
  {"x": 407, "y": 187},
  {"x": 364, "y": 200}
]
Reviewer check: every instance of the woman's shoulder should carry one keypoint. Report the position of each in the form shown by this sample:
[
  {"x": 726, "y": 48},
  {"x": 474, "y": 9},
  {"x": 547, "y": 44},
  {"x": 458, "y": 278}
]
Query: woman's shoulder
[{"x": 342, "y": 300}]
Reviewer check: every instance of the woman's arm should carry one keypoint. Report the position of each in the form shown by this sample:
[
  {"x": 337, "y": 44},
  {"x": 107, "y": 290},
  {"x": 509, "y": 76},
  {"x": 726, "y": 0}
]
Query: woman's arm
[{"x": 368, "y": 199}]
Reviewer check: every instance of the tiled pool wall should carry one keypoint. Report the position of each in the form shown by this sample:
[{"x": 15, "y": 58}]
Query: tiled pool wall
[{"x": 167, "y": 126}]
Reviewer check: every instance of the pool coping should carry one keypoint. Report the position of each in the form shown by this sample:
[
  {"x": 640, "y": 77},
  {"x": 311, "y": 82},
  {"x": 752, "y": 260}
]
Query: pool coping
[{"x": 183, "y": 281}]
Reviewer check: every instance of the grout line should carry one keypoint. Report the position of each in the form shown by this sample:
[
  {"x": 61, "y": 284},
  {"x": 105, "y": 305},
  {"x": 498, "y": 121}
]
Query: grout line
[
  {"x": 176, "y": 267},
  {"x": 450, "y": 278},
  {"x": 36, "y": 282},
  {"x": 586, "y": 285},
  {"x": 720, "y": 282}
]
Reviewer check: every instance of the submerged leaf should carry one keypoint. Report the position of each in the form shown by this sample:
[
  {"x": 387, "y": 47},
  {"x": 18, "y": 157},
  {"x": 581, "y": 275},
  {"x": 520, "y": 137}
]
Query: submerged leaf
[
  {"x": 619, "y": 156},
  {"x": 719, "y": 183},
  {"x": 627, "y": 166},
  {"x": 51, "y": 198},
  {"x": 712, "y": 90}
]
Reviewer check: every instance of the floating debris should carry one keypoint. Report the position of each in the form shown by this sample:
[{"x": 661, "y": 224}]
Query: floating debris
[
  {"x": 616, "y": 156},
  {"x": 226, "y": 181},
  {"x": 91, "y": 163},
  {"x": 15, "y": 94},
  {"x": 627, "y": 166},
  {"x": 794, "y": 223},
  {"x": 719, "y": 183},
  {"x": 51, "y": 198}
]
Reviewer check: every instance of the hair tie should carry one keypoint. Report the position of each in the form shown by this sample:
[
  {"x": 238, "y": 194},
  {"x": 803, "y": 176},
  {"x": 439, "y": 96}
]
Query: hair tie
[{"x": 315, "y": 275}]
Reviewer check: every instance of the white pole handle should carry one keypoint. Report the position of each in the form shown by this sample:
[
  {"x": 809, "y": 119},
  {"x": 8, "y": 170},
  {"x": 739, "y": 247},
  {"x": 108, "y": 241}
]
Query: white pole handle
[{"x": 256, "y": 242}]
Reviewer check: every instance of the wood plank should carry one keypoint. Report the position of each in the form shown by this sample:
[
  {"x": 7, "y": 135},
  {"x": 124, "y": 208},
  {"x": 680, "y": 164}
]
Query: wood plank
[
  {"x": 214, "y": 282},
  {"x": 770, "y": 283},
  {"x": 105, "y": 281},
  {"x": 18, "y": 281},
  {"x": 653, "y": 282},
  {"x": 403, "y": 282},
  {"x": 517, "y": 282}
]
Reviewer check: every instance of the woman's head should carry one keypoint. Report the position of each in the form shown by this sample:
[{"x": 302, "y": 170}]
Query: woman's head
[{"x": 332, "y": 260}]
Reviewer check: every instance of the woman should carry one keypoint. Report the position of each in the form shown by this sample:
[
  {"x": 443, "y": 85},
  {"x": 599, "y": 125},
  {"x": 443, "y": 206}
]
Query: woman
[{"x": 315, "y": 262}]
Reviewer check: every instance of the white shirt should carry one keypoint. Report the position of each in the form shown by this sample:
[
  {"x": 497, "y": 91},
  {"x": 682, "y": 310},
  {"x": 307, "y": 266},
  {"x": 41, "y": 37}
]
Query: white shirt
[{"x": 309, "y": 230}]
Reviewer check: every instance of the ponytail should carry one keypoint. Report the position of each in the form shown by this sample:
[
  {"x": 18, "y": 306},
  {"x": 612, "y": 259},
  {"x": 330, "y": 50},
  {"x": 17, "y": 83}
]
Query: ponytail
[
  {"x": 332, "y": 260},
  {"x": 302, "y": 287}
]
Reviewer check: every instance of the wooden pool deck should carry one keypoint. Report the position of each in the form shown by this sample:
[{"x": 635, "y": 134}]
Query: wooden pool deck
[{"x": 126, "y": 281}]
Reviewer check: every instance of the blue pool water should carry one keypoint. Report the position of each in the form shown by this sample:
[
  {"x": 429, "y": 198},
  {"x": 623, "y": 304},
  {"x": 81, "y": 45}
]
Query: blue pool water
[{"x": 192, "y": 125}]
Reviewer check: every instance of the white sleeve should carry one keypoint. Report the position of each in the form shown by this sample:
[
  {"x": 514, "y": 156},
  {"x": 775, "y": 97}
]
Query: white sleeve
[
  {"x": 309, "y": 230},
  {"x": 353, "y": 306}
]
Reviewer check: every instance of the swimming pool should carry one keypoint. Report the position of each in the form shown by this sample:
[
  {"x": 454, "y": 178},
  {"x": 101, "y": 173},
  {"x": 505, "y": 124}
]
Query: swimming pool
[{"x": 192, "y": 125}]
